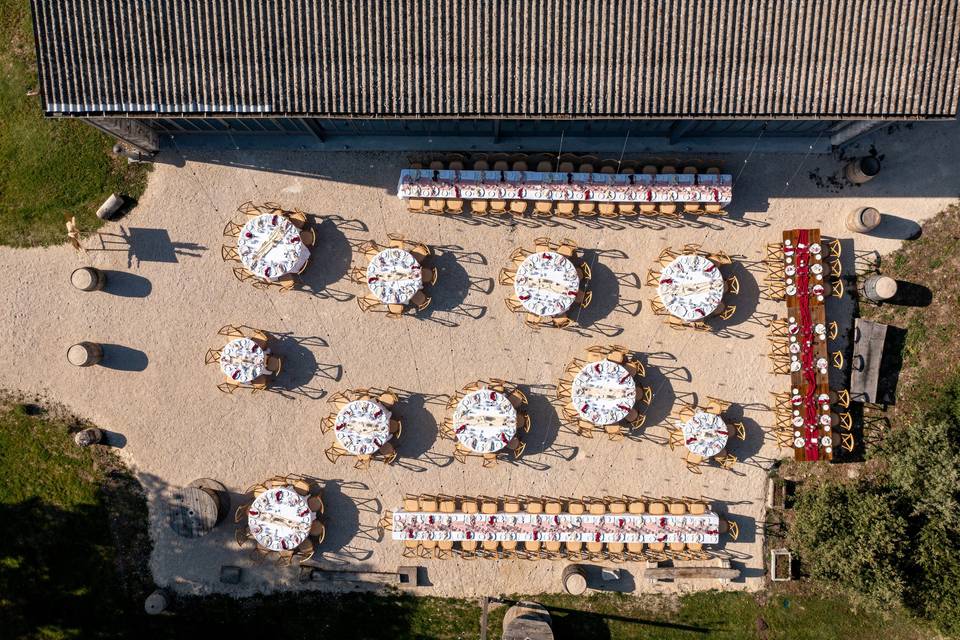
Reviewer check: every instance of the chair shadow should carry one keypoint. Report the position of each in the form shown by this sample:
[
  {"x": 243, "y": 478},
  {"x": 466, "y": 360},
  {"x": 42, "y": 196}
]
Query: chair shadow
[
  {"x": 745, "y": 450},
  {"x": 342, "y": 521},
  {"x": 127, "y": 285},
  {"x": 746, "y": 302},
  {"x": 416, "y": 444},
  {"x": 448, "y": 305},
  {"x": 147, "y": 245},
  {"x": 544, "y": 424},
  {"x": 605, "y": 286},
  {"x": 121, "y": 358},
  {"x": 300, "y": 367},
  {"x": 331, "y": 256}
]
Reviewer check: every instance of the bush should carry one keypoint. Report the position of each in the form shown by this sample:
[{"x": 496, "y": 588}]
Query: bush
[
  {"x": 852, "y": 534},
  {"x": 896, "y": 537}
]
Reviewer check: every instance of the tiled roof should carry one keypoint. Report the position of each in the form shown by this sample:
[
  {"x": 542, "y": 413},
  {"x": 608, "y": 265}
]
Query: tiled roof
[{"x": 513, "y": 58}]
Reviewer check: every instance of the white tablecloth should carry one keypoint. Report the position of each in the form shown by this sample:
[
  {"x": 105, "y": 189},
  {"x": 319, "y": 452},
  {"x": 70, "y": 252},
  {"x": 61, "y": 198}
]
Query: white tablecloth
[
  {"x": 393, "y": 275},
  {"x": 603, "y": 392},
  {"x": 485, "y": 421},
  {"x": 546, "y": 283},
  {"x": 536, "y": 185},
  {"x": 691, "y": 287},
  {"x": 362, "y": 427},
  {"x": 243, "y": 361},
  {"x": 458, "y": 527},
  {"x": 705, "y": 434},
  {"x": 269, "y": 246},
  {"x": 280, "y": 519}
]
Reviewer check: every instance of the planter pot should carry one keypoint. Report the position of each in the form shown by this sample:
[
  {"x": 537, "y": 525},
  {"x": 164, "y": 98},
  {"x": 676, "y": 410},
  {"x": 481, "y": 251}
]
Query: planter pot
[
  {"x": 84, "y": 354},
  {"x": 863, "y": 220},
  {"x": 88, "y": 279},
  {"x": 879, "y": 288},
  {"x": 110, "y": 206},
  {"x": 780, "y": 561},
  {"x": 860, "y": 170}
]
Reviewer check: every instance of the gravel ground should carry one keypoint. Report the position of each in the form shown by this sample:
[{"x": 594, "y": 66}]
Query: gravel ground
[{"x": 169, "y": 292}]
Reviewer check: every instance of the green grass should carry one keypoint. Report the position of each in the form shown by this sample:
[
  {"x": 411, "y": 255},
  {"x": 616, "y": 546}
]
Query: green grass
[{"x": 49, "y": 169}]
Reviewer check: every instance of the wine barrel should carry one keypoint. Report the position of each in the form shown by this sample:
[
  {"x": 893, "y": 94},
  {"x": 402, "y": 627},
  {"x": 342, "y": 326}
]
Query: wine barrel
[
  {"x": 879, "y": 288},
  {"x": 574, "y": 579},
  {"x": 84, "y": 354},
  {"x": 88, "y": 279},
  {"x": 861, "y": 170},
  {"x": 863, "y": 220}
]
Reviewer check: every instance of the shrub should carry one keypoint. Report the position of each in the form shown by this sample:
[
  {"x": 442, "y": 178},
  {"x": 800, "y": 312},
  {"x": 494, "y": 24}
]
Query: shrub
[{"x": 852, "y": 534}]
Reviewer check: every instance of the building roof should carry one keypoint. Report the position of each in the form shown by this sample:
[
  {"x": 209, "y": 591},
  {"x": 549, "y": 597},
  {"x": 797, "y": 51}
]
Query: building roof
[{"x": 875, "y": 59}]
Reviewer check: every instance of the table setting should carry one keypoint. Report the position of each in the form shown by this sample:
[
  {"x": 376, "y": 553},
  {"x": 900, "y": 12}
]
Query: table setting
[
  {"x": 603, "y": 392},
  {"x": 576, "y": 186},
  {"x": 362, "y": 427},
  {"x": 564, "y": 527},
  {"x": 269, "y": 246},
  {"x": 279, "y": 519},
  {"x": 705, "y": 434},
  {"x": 691, "y": 287},
  {"x": 546, "y": 283},
  {"x": 485, "y": 421},
  {"x": 394, "y": 276},
  {"x": 243, "y": 360}
]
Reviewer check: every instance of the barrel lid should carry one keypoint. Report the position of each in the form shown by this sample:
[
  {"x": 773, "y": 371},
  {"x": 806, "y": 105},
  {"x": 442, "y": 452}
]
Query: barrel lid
[
  {"x": 82, "y": 277},
  {"x": 885, "y": 286},
  {"x": 78, "y": 355}
]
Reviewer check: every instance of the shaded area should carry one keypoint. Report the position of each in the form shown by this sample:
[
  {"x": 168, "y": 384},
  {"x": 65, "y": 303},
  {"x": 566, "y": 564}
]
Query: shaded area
[
  {"x": 127, "y": 285},
  {"x": 121, "y": 358},
  {"x": 911, "y": 295},
  {"x": 896, "y": 228}
]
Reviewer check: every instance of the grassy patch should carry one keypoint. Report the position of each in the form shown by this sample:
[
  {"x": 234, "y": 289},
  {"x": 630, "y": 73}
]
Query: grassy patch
[
  {"x": 932, "y": 350},
  {"x": 74, "y": 547},
  {"x": 48, "y": 168}
]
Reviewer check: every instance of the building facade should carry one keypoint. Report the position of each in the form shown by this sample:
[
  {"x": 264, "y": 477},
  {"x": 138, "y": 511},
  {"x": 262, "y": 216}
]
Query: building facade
[{"x": 575, "y": 75}]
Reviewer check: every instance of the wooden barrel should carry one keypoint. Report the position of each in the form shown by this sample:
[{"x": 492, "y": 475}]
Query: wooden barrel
[
  {"x": 527, "y": 621},
  {"x": 110, "y": 206},
  {"x": 860, "y": 170},
  {"x": 879, "y": 287},
  {"x": 863, "y": 220},
  {"x": 88, "y": 279},
  {"x": 84, "y": 354},
  {"x": 574, "y": 579}
]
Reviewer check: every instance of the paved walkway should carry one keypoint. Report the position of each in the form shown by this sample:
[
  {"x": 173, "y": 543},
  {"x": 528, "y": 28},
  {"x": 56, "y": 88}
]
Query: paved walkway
[{"x": 170, "y": 293}]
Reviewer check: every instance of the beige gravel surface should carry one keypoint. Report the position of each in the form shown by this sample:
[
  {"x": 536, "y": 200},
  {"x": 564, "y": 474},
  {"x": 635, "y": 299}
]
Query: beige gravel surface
[{"x": 169, "y": 292}]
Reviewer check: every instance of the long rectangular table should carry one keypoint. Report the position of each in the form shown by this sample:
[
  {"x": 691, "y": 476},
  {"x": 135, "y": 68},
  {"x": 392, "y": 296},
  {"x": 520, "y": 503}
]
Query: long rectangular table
[
  {"x": 576, "y": 187},
  {"x": 806, "y": 268},
  {"x": 457, "y": 527}
]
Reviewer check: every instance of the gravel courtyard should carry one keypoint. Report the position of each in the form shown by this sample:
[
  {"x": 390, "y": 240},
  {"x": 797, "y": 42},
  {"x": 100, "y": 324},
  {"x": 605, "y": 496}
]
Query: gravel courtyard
[{"x": 170, "y": 292}]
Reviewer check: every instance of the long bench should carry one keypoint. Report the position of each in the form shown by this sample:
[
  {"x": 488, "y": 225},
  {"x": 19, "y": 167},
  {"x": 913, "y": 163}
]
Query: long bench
[{"x": 868, "y": 341}]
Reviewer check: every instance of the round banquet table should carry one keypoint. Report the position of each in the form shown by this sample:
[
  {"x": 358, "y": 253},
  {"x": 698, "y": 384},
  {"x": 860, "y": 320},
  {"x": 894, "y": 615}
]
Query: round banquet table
[
  {"x": 603, "y": 392},
  {"x": 691, "y": 287},
  {"x": 362, "y": 427},
  {"x": 393, "y": 276},
  {"x": 269, "y": 246},
  {"x": 485, "y": 421},
  {"x": 546, "y": 283},
  {"x": 705, "y": 434},
  {"x": 242, "y": 360},
  {"x": 280, "y": 519}
]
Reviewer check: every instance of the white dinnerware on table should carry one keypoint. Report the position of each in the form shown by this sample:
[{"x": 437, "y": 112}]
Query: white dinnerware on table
[
  {"x": 243, "y": 360},
  {"x": 362, "y": 427},
  {"x": 269, "y": 246},
  {"x": 393, "y": 276},
  {"x": 279, "y": 519},
  {"x": 705, "y": 434},
  {"x": 546, "y": 283},
  {"x": 484, "y": 421},
  {"x": 603, "y": 392},
  {"x": 691, "y": 287},
  {"x": 553, "y": 186},
  {"x": 457, "y": 527}
]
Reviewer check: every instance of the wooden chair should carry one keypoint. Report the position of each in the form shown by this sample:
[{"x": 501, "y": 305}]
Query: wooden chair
[
  {"x": 728, "y": 312},
  {"x": 542, "y": 209},
  {"x": 232, "y": 229},
  {"x": 518, "y": 207},
  {"x": 837, "y": 289},
  {"x": 607, "y": 209},
  {"x": 420, "y": 300},
  {"x": 498, "y": 207},
  {"x": 479, "y": 207},
  {"x": 274, "y": 364},
  {"x": 564, "y": 210},
  {"x": 732, "y": 285},
  {"x": 415, "y": 205},
  {"x": 586, "y": 209},
  {"x": 454, "y": 207}
]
